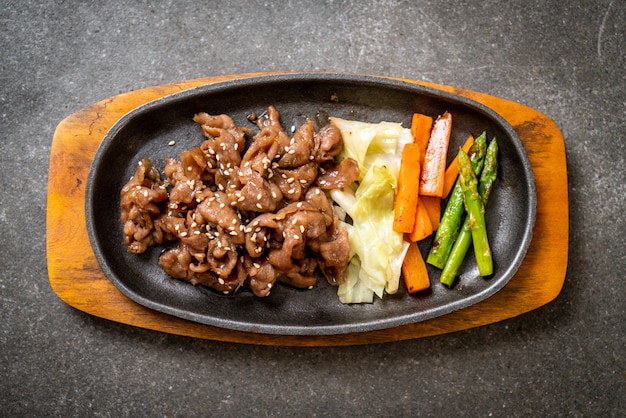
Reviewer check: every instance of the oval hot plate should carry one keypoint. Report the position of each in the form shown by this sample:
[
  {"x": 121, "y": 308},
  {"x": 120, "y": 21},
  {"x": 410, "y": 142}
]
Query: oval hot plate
[{"x": 147, "y": 130}]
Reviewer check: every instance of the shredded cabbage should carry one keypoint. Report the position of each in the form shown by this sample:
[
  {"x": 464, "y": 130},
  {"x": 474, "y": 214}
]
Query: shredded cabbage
[{"x": 377, "y": 250}]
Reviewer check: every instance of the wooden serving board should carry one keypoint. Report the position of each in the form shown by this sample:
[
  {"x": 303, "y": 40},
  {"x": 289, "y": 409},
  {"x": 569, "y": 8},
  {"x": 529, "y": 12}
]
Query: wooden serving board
[{"x": 76, "y": 277}]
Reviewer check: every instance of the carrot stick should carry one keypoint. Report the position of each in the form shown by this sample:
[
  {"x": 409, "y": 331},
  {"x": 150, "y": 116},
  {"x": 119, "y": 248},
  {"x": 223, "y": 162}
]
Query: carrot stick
[
  {"x": 414, "y": 270},
  {"x": 432, "y": 204},
  {"x": 421, "y": 125},
  {"x": 434, "y": 167},
  {"x": 422, "y": 226},
  {"x": 408, "y": 188},
  {"x": 452, "y": 172}
]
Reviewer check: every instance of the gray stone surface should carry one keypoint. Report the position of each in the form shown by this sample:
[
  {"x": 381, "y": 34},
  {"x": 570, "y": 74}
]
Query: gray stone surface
[{"x": 563, "y": 58}]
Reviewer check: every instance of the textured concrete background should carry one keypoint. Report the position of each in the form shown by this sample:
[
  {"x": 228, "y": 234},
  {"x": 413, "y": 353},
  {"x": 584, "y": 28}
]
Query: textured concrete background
[{"x": 564, "y": 58}]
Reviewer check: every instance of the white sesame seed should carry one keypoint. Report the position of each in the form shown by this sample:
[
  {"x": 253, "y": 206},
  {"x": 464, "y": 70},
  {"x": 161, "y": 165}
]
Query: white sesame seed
[
  {"x": 222, "y": 205},
  {"x": 291, "y": 151},
  {"x": 259, "y": 196},
  {"x": 302, "y": 228},
  {"x": 257, "y": 265},
  {"x": 196, "y": 232},
  {"x": 220, "y": 280},
  {"x": 183, "y": 234},
  {"x": 171, "y": 143},
  {"x": 258, "y": 205},
  {"x": 296, "y": 236},
  {"x": 291, "y": 191},
  {"x": 233, "y": 233}
]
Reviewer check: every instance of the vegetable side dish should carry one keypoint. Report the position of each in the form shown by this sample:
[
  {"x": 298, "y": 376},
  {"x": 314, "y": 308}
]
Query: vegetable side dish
[{"x": 350, "y": 200}]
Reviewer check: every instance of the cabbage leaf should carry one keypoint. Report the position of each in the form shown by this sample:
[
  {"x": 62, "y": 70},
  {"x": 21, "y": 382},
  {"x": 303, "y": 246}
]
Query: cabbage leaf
[
  {"x": 367, "y": 142},
  {"x": 377, "y": 249}
]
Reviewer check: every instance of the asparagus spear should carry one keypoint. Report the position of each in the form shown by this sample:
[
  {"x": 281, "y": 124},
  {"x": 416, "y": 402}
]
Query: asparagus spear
[
  {"x": 451, "y": 220},
  {"x": 460, "y": 247},
  {"x": 476, "y": 213}
]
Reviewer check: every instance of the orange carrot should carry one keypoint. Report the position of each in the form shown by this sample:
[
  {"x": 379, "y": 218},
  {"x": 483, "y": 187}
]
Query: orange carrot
[
  {"x": 432, "y": 204},
  {"x": 434, "y": 167},
  {"x": 452, "y": 172},
  {"x": 414, "y": 270},
  {"x": 408, "y": 188},
  {"x": 421, "y": 126},
  {"x": 423, "y": 226}
]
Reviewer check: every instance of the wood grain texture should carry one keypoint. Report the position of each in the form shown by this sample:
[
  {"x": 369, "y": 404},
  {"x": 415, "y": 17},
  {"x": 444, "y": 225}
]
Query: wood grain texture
[{"x": 77, "y": 279}]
